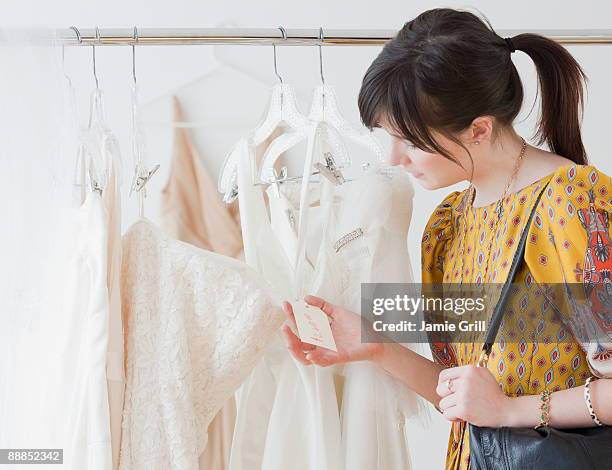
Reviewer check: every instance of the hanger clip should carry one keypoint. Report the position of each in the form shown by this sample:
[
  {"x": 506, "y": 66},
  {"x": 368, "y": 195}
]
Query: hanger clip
[
  {"x": 231, "y": 195},
  {"x": 93, "y": 181},
  {"x": 141, "y": 178},
  {"x": 278, "y": 179},
  {"x": 330, "y": 170}
]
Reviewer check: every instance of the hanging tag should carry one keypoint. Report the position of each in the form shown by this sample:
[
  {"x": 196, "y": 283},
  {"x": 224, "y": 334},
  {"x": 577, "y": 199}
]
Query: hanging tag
[{"x": 313, "y": 326}]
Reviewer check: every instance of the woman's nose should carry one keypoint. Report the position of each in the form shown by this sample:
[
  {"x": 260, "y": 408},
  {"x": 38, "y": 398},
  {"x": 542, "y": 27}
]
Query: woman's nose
[{"x": 398, "y": 155}]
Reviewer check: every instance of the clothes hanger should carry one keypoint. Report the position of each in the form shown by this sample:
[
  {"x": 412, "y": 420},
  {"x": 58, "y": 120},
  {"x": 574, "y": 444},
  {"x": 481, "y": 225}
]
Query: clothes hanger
[
  {"x": 282, "y": 110},
  {"x": 98, "y": 145},
  {"x": 89, "y": 158},
  {"x": 70, "y": 123},
  {"x": 324, "y": 107},
  {"x": 96, "y": 104},
  {"x": 93, "y": 137},
  {"x": 142, "y": 174},
  {"x": 336, "y": 155}
]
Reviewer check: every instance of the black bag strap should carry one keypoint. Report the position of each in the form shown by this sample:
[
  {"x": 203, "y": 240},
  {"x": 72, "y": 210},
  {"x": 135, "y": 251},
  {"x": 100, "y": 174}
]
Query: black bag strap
[{"x": 517, "y": 262}]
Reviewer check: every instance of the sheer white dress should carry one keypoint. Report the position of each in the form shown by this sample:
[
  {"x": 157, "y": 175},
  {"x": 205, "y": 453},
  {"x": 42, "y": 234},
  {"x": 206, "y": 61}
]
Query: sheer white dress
[{"x": 304, "y": 417}]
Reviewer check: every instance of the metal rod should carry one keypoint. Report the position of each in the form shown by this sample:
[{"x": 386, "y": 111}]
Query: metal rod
[{"x": 294, "y": 37}]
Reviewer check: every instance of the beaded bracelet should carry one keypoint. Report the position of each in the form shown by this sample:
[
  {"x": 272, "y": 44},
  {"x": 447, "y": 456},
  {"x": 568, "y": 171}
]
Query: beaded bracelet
[
  {"x": 587, "y": 400},
  {"x": 544, "y": 408}
]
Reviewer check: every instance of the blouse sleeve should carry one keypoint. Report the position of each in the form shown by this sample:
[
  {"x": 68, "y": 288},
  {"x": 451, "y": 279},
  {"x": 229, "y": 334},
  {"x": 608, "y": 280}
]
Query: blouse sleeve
[
  {"x": 437, "y": 235},
  {"x": 436, "y": 240},
  {"x": 569, "y": 254}
]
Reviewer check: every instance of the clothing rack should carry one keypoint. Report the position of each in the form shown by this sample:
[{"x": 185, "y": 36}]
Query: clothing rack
[{"x": 274, "y": 36}]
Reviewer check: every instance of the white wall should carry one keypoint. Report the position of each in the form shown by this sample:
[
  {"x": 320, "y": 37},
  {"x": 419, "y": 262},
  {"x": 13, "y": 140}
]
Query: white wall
[{"x": 230, "y": 100}]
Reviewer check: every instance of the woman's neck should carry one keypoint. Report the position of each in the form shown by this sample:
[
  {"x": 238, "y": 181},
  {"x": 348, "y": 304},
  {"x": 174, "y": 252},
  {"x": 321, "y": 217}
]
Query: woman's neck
[{"x": 493, "y": 166}]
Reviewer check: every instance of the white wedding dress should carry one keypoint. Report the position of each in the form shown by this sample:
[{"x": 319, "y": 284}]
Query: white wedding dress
[
  {"x": 196, "y": 324},
  {"x": 289, "y": 415}
]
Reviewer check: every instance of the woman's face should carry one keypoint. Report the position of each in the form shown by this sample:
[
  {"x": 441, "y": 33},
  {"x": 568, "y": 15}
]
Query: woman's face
[{"x": 431, "y": 170}]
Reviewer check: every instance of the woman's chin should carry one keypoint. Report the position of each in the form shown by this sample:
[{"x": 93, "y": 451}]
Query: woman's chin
[
  {"x": 432, "y": 185},
  {"x": 425, "y": 183}
]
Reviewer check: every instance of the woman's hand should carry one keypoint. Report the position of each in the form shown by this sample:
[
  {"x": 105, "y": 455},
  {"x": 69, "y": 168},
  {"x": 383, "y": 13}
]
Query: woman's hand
[
  {"x": 346, "y": 329},
  {"x": 474, "y": 396}
]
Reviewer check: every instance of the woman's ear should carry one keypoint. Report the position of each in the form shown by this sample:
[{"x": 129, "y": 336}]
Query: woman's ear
[{"x": 480, "y": 130}]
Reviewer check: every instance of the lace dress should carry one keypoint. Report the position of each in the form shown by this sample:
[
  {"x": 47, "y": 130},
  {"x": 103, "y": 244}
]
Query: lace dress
[{"x": 196, "y": 324}]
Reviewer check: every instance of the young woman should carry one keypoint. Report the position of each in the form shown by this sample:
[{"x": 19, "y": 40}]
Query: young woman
[{"x": 447, "y": 91}]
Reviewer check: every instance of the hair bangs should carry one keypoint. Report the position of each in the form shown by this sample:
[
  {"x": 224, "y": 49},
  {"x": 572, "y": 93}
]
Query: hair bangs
[
  {"x": 371, "y": 95},
  {"x": 392, "y": 94},
  {"x": 406, "y": 111}
]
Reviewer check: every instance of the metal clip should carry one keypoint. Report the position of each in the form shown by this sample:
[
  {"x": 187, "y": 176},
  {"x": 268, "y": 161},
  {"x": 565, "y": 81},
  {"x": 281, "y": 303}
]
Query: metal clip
[
  {"x": 95, "y": 184},
  {"x": 231, "y": 195},
  {"x": 330, "y": 170},
  {"x": 278, "y": 179},
  {"x": 139, "y": 181}
]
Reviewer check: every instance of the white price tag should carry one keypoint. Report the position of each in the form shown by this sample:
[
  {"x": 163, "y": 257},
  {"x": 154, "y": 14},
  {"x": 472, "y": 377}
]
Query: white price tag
[{"x": 313, "y": 326}]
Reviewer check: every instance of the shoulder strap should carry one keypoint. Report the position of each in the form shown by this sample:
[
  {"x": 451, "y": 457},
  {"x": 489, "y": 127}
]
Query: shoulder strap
[{"x": 517, "y": 262}]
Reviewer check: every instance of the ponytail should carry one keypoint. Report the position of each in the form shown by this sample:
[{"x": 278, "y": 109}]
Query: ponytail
[
  {"x": 446, "y": 67},
  {"x": 561, "y": 81}
]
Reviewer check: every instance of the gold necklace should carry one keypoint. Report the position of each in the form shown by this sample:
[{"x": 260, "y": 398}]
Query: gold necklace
[{"x": 498, "y": 210}]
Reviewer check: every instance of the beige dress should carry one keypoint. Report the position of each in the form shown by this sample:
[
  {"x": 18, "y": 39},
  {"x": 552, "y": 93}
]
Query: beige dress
[
  {"x": 115, "y": 366},
  {"x": 192, "y": 209}
]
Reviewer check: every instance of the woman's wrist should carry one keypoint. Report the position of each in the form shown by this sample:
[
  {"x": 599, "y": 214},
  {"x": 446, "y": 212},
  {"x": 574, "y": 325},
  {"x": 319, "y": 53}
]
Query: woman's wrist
[
  {"x": 379, "y": 352},
  {"x": 567, "y": 408},
  {"x": 523, "y": 411}
]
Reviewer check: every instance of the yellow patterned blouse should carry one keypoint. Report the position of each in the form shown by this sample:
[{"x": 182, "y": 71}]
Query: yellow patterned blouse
[{"x": 569, "y": 241}]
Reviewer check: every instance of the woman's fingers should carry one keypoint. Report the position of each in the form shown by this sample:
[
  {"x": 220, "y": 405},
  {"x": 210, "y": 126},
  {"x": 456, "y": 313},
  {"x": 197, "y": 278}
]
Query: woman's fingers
[
  {"x": 322, "y": 357},
  {"x": 453, "y": 413},
  {"x": 304, "y": 352},
  {"x": 318, "y": 302},
  {"x": 295, "y": 346},
  {"x": 452, "y": 373},
  {"x": 449, "y": 380},
  {"x": 446, "y": 388},
  {"x": 448, "y": 401}
]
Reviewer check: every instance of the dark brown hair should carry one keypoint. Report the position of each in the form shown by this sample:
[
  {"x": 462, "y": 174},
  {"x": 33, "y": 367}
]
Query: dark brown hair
[{"x": 446, "y": 67}]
